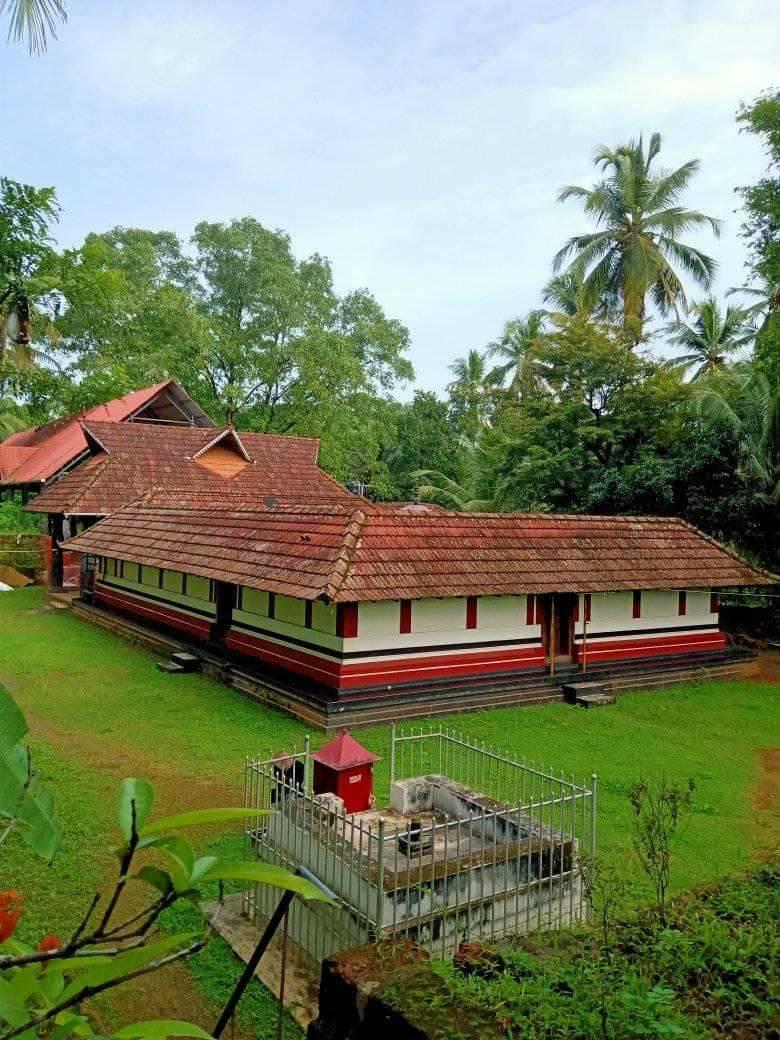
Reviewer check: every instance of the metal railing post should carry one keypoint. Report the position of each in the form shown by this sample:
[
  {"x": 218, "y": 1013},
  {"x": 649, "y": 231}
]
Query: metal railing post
[
  {"x": 306, "y": 763},
  {"x": 594, "y": 785},
  {"x": 380, "y": 877},
  {"x": 392, "y": 753}
]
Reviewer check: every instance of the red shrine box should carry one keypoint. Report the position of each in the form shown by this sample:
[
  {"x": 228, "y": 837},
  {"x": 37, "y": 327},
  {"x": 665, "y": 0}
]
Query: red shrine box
[{"x": 345, "y": 768}]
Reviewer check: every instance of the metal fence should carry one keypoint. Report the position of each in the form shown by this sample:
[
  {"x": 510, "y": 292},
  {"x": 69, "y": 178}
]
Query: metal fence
[{"x": 490, "y": 847}]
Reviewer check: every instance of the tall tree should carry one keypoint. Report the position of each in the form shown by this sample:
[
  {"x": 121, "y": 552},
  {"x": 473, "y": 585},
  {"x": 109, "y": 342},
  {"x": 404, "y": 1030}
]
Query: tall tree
[
  {"x": 566, "y": 296},
  {"x": 470, "y": 392},
  {"x": 126, "y": 314},
  {"x": 762, "y": 200},
  {"x": 746, "y": 404},
  {"x": 762, "y": 226},
  {"x": 517, "y": 349},
  {"x": 33, "y": 21},
  {"x": 281, "y": 341},
  {"x": 26, "y": 217},
  {"x": 471, "y": 490},
  {"x": 422, "y": 437},
  {"x": 636, "y": 250},
  {"x": 711, "y": 338}
]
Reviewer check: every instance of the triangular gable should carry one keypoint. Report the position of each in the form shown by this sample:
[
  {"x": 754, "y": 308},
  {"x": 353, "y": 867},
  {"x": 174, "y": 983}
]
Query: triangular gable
[{"x": 225, "y": 455}]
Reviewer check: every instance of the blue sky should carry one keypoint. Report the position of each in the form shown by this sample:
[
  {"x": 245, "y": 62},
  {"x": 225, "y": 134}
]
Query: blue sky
[{"x": 419, "y": 145}]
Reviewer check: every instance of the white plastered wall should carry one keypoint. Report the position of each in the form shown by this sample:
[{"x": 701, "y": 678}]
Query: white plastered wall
[
  {"x": 613, "y": 611},
  {"x": 442, "y": 622}
]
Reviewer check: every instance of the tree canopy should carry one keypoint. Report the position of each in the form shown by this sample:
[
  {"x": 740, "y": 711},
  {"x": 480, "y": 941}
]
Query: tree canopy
[{"x": 590, "y": 402}]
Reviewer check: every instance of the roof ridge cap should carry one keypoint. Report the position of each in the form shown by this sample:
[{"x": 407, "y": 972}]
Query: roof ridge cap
[
  {"x": 98, "y": 471},
  {"x": 345, "y": 558}
]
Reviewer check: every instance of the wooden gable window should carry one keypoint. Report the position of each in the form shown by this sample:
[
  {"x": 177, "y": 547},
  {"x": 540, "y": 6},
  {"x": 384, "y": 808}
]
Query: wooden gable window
[
  {"x": 637, "y": 610},
  {"x": 471, "y": 612},
  {"x": 406, "y": 617},
  {"x": 714, "y": 603},
  {"x": 347, "y": 620},
  {"x": 682, "y": 603}
]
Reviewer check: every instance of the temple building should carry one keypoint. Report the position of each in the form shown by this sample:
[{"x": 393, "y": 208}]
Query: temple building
[
  {"x": 31, "y": 460},
  {"x": 373, "y": 612},
  {"x": 124, "y": 461}
]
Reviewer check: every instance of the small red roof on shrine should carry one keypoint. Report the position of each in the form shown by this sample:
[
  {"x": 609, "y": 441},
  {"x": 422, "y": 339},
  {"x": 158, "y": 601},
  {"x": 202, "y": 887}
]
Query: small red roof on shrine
[{"x": 343, "y": 753}]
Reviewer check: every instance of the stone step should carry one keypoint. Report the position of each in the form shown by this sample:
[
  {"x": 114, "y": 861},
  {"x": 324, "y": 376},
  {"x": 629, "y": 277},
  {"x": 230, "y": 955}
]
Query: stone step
[
  {"x": 170, "y": 668},
  {"x": 189, "y": 662},
  {"x": 595, "y": 700}
]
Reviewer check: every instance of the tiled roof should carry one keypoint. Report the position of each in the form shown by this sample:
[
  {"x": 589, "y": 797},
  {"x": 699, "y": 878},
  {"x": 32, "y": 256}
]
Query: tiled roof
[
  {"x": 344, "y": 752},
  {"x": 35, "y": 456},
  {"x": 139, "y": 457},
  {"x": 350, "y": 553}
]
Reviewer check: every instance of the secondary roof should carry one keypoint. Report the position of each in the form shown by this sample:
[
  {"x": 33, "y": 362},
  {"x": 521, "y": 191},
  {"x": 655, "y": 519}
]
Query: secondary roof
[
  {"x": 131, "y": 459},
  {"x": 35, "y": 456},
  {"x": 351, "y": 553}
]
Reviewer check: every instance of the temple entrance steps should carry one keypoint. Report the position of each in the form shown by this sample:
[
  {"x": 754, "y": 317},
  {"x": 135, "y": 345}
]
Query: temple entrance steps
[{"x": 588, "y": 695}]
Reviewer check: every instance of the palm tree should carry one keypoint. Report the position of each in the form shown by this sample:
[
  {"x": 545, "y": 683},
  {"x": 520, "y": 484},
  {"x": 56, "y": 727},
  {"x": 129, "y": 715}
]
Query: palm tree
[
  {"x": 517, "y": 349},
  {"x": 636, "y": 247},
  {"x": 745, "y": 402},
  {"x": 711, "y": 338},
  {"x": 472, "y": 493},
  {"x": 470, "y": 391},
  {"x": 33, "y": 20},
  {"x": 766, "y": 298},
  {"x": 567, "y": 297},
  {"x": 10, "y": 422}
]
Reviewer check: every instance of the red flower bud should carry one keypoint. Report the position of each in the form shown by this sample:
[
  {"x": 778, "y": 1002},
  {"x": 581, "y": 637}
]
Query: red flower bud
[
  {"x": 11, "y": 906},
  {"x": 50, "y": 944}
]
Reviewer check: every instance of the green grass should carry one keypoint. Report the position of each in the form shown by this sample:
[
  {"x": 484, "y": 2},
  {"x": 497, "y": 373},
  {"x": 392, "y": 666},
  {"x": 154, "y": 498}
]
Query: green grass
[{"x": 113, "y": 712}]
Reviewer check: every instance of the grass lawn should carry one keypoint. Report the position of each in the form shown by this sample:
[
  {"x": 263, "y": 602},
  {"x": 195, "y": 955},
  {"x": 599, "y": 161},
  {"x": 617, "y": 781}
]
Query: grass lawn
[{"x": 99, "y": 710}]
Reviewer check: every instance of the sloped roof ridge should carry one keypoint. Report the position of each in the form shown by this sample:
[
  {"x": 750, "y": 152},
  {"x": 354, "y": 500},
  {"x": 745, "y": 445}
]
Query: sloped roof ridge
[
  {"x": 345, "y": 558},
  {"x": 99, "y": 468},
  {"x": 86, "y": 426}
]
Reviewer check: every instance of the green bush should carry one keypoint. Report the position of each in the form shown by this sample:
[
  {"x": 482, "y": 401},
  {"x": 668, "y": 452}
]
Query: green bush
[
  {"x": 711, "y": 972},
  {"x": 14, "y": 520}
]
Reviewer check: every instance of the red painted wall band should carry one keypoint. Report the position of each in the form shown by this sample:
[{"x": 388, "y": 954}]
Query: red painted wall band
[
  {"x": 350, "y": 674},
  {"x": 623, "y": 649},
  {"x": 193, "y": 626}
]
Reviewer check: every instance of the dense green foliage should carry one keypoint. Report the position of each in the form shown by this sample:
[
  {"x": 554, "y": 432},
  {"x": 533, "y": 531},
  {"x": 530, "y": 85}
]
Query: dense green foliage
[
  {"x": 712, "y": 971},
  {"x": 573, "y": 407}
]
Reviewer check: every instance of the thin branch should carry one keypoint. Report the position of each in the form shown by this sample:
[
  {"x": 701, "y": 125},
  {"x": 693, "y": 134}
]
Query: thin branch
[{"x": 91, "y": 991}]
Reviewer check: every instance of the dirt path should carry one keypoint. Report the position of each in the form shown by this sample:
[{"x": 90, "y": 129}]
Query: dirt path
[
  {"x": 767, "y": 793},
  {"x": 766, "y": 804},
  {"x": 171, "y": 993}
]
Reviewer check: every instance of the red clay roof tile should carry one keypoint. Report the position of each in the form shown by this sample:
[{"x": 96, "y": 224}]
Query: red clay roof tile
[
  {"x": 354, "y": 551},
  {"x": 48, "y": 449}
]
